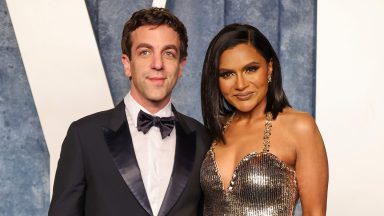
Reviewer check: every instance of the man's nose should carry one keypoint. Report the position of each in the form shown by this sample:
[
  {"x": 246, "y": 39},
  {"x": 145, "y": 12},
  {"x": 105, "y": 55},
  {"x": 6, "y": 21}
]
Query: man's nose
[{"x": 157, "y": 62}]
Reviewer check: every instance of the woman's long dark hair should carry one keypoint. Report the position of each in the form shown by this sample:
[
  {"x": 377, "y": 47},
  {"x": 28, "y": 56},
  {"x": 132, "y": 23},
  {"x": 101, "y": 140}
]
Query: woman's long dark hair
[{"x": 214, "y": 106}]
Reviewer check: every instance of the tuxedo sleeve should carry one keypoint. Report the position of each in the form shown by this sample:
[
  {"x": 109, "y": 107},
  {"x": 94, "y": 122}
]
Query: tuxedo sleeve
[{"x": 69, "y": 186}]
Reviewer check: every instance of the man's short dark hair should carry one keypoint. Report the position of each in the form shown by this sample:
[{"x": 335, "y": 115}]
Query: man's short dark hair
[{"x": 157, "y": 17}]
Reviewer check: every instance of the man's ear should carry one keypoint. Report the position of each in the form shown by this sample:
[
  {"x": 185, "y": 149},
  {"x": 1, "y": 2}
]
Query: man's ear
[
  {"x": 181, "y": 66},
  {"x": 126, "y": 65}
]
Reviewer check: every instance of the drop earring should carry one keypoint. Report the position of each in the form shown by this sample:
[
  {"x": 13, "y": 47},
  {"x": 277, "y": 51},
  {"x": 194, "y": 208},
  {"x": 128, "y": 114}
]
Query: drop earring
[{"x": 269, "y": 79}]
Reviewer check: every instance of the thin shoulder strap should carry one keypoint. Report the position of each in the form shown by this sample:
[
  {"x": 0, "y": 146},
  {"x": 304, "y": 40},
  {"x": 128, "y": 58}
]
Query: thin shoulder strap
[
  {"x": 267, "y": 131},
  {"x": 214, "y": 143},
  {"x": 228, "y": 122}
]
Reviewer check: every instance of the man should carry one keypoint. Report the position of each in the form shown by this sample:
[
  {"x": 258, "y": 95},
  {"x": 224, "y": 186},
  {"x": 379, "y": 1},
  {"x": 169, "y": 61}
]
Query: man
[{"x": 142, "y": 157}]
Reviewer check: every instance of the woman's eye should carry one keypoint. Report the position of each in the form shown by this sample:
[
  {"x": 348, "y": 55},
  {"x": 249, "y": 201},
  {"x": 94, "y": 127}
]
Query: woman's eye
[
  {"x": 226, "y": 74},
  {"x": 251, "y": 69}
]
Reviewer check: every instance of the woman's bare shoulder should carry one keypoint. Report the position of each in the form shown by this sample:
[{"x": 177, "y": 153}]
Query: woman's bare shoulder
[{"x": 300, "y": 123}]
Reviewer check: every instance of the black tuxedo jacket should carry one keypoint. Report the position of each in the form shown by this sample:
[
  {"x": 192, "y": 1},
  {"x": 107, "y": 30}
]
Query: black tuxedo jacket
[{"x": 98, "y": 174}]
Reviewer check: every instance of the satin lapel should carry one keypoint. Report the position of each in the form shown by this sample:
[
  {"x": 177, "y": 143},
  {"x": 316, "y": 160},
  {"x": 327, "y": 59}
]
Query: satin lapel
[
  {"x": 183, "y": 164},
  {"x": 120, "y": 145}
]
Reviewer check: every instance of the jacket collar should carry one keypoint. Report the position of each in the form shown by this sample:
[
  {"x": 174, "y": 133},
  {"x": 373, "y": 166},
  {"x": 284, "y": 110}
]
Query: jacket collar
[{"x": 119, "y": 142}]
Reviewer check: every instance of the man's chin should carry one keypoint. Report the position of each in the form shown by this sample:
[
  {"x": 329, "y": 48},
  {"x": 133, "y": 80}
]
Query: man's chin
[{"x": 158, "y": 99}]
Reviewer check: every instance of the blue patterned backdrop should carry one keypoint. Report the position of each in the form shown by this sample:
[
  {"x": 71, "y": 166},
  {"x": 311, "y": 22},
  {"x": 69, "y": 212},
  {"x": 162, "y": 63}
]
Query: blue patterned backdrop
[{"x": 24, "y": 159}]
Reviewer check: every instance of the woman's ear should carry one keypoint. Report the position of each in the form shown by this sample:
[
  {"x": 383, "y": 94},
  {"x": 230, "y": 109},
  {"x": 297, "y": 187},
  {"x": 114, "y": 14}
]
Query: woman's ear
[{"x": 270, "y": 67}]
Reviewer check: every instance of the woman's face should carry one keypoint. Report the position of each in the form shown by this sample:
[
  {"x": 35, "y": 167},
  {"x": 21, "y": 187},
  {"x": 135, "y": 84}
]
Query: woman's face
[{"x": 243, "y": 77}]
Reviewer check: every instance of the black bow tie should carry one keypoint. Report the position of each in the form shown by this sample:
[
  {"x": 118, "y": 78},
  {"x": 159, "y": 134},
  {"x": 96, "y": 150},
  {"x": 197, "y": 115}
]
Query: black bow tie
[{"x": 146, "y": 121}]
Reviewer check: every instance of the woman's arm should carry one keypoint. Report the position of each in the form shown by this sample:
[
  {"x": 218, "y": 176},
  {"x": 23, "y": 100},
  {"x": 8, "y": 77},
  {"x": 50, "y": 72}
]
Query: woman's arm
[{"x": 311, "y": 167}]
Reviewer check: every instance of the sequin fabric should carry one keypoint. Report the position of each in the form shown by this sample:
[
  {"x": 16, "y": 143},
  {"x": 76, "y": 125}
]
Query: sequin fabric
[{"x": 261, "y": 184}]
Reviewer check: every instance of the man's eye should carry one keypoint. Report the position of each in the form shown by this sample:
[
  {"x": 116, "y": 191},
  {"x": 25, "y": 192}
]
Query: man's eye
[
  {"x": 226, "y": 74},
  {"x": 144, "y": 52},
  {"x": 170, "y": 54}
]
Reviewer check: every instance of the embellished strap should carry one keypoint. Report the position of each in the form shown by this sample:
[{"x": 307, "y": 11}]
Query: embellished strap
[
  {"x": 214, "y": 143},
  {"x": 228, "y": 122},
  {"x": 267, "y": 131}
]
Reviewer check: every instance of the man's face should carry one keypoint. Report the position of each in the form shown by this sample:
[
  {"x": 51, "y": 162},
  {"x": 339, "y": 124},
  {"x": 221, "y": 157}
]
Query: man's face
[{"x": 154, "y": 66}]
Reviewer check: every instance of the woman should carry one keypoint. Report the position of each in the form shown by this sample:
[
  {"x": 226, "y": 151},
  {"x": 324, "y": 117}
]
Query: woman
[{"x": 265, "y": 154}]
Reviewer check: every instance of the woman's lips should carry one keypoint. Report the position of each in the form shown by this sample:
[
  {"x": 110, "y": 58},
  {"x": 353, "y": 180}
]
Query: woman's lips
[{"x": 244, "y": 96}]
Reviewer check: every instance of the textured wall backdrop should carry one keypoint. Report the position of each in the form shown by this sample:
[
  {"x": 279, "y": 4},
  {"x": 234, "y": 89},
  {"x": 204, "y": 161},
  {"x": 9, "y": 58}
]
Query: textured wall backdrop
[
  {"x": 24, "y": 159},
  {"x": 290, "y": 25}
]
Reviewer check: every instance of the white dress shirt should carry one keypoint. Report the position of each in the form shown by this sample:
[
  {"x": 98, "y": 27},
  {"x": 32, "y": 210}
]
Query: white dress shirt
[{"x": 155, "y": 156}]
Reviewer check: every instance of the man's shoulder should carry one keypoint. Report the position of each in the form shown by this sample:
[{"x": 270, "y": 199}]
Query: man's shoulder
[
  {"x": 98, "y": 118},
  {"x": 190, "y": 120},
  {"x": 203, "y": 138}
]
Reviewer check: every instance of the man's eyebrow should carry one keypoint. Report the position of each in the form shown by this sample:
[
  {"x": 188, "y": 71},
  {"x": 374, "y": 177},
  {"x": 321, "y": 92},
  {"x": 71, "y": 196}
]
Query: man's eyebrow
[
  {"x": 171, "y": 46},
  {"x": 144, "y": 45}
]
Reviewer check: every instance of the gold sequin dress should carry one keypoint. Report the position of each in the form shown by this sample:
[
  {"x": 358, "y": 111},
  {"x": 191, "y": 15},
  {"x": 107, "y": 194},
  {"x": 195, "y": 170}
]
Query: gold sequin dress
[{"x": 261, "y": 184}]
